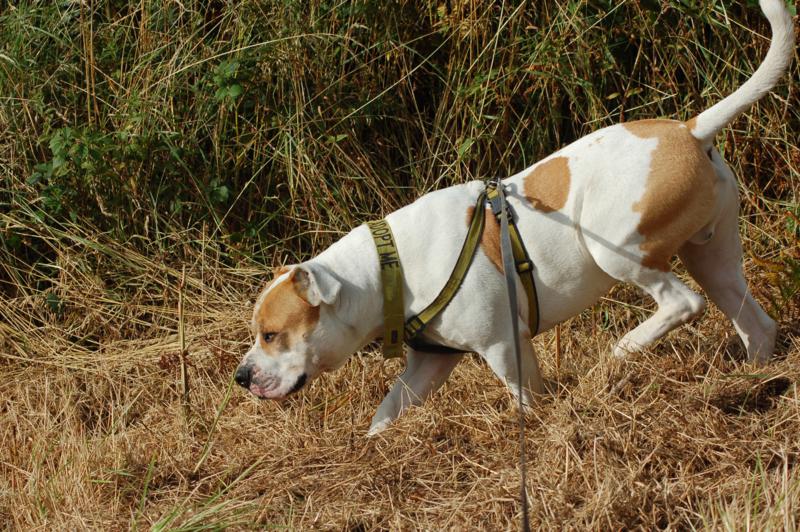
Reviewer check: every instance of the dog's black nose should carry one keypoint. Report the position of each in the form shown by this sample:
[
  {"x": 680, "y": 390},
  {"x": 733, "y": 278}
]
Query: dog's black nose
[{"x": 242, "y": 376}]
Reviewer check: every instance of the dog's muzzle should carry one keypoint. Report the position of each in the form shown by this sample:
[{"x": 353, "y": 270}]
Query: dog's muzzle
[{"x": 244, "y": 378}]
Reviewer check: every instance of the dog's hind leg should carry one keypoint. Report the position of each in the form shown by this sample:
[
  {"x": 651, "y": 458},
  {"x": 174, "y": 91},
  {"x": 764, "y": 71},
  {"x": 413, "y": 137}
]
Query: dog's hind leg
[
  {"x": 677, "y": 305},
  {"x": 717, "y": 267},
  {"x": 425, "y": 373}
]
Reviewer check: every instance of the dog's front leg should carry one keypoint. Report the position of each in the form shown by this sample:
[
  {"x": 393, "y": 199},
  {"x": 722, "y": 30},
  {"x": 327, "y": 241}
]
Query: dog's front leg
[
  {"x": 502, "y": 359},
  {"x": 424, "y": 374}
]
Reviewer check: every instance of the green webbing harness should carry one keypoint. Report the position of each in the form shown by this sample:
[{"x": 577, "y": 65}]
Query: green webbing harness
[
  {"x": 398, "y": 330},
  {"x": 392, "y": 281}
]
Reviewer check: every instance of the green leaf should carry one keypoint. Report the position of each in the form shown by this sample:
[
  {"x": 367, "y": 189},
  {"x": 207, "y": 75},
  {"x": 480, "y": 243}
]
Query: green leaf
[
  {"x": 335, "y": 139},
  {"x": 234, "y": 91},
  {"x": 464, "y": 148},
  {"x": 220, "y": 194}
]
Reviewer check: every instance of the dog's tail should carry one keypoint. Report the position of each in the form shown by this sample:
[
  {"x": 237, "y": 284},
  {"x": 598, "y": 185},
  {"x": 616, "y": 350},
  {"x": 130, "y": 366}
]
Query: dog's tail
[{"x": 708, "y": 123}]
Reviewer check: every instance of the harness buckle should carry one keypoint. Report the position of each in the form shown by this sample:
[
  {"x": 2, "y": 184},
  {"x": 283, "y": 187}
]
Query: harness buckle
[
  {"x": 493, "y": 199},
  {"x": 413, "y": 326}
]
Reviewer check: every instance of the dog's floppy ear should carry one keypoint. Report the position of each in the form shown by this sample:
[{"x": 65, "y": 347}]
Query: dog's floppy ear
[{"x": 315, "y": 284}]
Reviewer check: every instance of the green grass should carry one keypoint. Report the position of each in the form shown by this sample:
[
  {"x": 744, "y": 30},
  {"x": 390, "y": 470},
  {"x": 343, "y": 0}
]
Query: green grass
[{"x": 269, "y": 121}]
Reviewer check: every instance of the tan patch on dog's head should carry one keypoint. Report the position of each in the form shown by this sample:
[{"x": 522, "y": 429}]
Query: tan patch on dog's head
[
  {"x": 547, "y": 186},
  {"x": 679, "y": 193},
  {"x": 277, "y": 273},
  {"x": 283, "y": 312},
  {"x": 490, "y": 240}
]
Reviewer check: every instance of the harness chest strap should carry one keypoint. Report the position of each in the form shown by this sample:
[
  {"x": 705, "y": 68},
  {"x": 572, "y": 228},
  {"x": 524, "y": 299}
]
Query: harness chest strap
[
  {"x": 416, "y": 324},
  {"x": 392, "y": 281}
]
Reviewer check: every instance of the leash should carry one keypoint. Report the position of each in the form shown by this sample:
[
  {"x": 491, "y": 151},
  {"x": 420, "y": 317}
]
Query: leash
[{"x": 511, "y": 287}]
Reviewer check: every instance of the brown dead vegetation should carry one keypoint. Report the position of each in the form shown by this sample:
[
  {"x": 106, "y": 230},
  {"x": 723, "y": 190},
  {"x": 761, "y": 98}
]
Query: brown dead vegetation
[{"x": 685, "y": 436}]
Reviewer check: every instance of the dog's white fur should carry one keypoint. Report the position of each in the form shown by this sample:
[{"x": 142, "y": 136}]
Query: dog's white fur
[{"x": 613, "y": 206}]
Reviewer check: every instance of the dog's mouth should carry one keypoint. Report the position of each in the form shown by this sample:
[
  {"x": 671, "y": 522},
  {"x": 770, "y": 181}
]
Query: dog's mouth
[{"x": 273, "y": 392}]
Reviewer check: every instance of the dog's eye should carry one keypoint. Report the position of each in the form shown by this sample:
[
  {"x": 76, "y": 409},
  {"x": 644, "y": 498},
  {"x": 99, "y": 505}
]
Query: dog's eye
[{"x": 268, "y": 336}]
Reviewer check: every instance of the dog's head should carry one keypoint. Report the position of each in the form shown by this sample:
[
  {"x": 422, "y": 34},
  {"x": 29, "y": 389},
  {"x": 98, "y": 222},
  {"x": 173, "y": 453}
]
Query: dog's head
[{"x": 297, "y": 333}]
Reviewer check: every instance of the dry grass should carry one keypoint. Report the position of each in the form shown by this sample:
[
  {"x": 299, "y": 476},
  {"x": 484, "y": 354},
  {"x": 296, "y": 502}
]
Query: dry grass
[{"x": 93, "y": 433}]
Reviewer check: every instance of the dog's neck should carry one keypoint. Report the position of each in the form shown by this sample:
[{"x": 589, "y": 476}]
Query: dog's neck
[{"x": 353, "y": 261}]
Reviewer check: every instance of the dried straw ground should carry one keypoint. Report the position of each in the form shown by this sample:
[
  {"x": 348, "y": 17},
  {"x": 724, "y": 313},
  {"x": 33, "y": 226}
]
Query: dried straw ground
[{"x": 687, "y": 436}]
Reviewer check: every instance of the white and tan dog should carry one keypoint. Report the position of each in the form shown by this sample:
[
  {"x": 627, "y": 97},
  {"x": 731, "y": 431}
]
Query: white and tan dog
[{"x": 616, "y": 205}]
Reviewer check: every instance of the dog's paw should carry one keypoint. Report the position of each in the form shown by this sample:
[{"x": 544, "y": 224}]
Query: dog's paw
[
  {"x": 625, "y": 347},
  {"x": 620, "y": 351},
  {"x": 761, "y": 348},
  {"x": 378, "y": 426}
]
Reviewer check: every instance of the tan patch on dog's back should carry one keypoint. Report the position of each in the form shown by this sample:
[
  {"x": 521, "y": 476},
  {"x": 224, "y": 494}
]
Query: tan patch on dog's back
[
  {"x": 547, "y": 185},
  {"x": 490, "y": 240},
  {"x": 284, "y": 312},
  {"x": 679, "y": 192}
]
